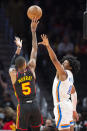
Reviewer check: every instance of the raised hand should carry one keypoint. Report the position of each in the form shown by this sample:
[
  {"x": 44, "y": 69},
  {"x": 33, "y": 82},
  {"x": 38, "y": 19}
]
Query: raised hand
[
  {"x": 18, "y": 42},
  {"x": 45, "y": 40},
  {"x": 34, "y": 24}
]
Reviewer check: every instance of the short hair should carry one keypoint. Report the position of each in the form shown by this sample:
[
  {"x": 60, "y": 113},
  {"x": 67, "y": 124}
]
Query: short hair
[
  {"x": 74, "y": 63},
  {"x": 9, "y": 112},
  {"x": 19, "y": 62}
]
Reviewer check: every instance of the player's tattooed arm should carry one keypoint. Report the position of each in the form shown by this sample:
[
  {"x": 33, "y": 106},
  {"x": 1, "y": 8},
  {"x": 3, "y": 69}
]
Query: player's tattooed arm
[
  {"x": 62, "y": 74},
  {"x": 33, "y": 56}
]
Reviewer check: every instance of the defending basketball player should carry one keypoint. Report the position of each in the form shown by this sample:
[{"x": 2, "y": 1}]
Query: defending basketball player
[
  {"x": 64, "y": 108},
  {"x": 23, "y": 79}
]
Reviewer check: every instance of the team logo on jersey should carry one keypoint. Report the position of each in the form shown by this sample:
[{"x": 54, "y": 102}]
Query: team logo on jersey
[{"x": 69, "y": 91}]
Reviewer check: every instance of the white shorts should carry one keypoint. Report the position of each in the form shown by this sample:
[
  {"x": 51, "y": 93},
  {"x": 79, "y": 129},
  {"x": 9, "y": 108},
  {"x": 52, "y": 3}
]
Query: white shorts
[{"x": 63, "y": 115}]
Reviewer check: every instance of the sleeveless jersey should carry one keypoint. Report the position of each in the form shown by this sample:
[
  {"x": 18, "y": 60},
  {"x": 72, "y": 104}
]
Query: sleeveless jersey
[
  {"x": 61, "y": 89},
  {"x": 25, "y": 86}
]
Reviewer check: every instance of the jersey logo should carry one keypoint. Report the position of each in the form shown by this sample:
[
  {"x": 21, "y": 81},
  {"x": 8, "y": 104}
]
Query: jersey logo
[{"x": 69, "y": 91}]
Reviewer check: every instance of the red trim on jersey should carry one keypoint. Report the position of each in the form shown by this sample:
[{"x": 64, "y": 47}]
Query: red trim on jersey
[
  {"x": 22, "y": 129},
  {"x": 15, "y": 93},
  {"x": 42, "y": 120},
  {"x": 39, "y": 124},
  {"x": 36, "y": 126},
  {"x": 17, "y": 74}
]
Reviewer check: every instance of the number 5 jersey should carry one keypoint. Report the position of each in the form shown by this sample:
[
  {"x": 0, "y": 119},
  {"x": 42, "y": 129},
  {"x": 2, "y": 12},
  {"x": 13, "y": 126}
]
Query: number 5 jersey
[{"x": 25, "y": 86}]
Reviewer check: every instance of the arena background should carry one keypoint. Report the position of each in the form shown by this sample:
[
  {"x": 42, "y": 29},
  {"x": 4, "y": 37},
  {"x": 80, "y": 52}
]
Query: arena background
[{"x": 60, "y": 19}]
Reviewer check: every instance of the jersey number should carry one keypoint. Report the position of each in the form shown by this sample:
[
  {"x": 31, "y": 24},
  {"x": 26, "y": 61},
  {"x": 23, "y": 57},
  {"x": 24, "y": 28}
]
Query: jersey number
[{"x": 26, "y": 90}]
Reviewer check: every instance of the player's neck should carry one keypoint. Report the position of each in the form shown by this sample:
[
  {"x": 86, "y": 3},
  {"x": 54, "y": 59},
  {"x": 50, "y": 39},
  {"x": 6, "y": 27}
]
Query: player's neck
[{"x": 21, "y": 70}]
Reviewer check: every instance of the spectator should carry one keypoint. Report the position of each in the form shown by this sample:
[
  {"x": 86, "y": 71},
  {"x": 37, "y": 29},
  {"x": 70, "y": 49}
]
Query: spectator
[
  {"x": 65, "y": 47},
  {"x": 10, "y": 119},
  {"x": 48, "y": 123},
  {"x": 49, "y": 128}
]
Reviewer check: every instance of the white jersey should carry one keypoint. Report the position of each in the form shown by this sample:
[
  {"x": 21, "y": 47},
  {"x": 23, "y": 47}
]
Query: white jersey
[{"x": 61, "y": 89}]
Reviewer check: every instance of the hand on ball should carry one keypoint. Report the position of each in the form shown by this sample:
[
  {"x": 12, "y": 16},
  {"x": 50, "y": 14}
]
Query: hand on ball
[{"x": 34, "y": 24}]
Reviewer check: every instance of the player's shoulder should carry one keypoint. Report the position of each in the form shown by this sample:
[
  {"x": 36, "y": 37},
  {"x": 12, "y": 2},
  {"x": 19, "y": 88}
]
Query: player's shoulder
[
  {"x": 56, "y": 79},
  {"x": 70, "y": 76},
  {"x": 69, "y": 72},
  {"x": 29, "y": 70}
]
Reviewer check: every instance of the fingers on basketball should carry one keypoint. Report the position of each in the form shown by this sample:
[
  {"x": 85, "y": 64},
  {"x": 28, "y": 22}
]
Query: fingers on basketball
[{"x": 35, "y": 20}]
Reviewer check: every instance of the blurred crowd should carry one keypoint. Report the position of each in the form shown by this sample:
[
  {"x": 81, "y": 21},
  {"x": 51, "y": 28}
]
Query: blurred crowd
[
  {"x": 7, "y": 107},
  {"x": 63, "y": 23}
]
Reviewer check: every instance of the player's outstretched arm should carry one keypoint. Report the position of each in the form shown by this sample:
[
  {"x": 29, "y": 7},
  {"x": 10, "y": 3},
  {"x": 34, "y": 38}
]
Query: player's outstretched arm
[
  {"x": 12, "y": 70},
  {"x": 74, "y": 103},
  {"x": 18, "y": 43},
  {"x": 53, "y": 57},
  {"x": 33, "y": 56}
]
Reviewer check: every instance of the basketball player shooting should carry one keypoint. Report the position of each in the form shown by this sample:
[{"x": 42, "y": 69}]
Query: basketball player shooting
[
  {"x": 23, "y": 80},
  {"x": 64, "y": 108}
]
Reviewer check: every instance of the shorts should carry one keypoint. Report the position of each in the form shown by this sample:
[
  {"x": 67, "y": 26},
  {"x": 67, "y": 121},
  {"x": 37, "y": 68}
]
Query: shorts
[
  {"x": 63, "y": 115},
  {"x": 28, "y": 115}
]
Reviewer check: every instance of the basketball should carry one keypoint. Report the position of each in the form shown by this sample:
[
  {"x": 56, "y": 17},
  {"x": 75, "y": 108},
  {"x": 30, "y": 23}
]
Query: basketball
[{"x": 34, "y": 12}]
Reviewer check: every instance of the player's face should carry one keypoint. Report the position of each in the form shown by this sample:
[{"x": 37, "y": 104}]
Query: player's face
[{"x": 66, "y": 64}]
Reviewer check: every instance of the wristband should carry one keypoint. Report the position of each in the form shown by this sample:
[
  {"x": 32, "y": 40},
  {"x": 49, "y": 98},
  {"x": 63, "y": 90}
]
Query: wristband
[{"x": 19, "y": 47}]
